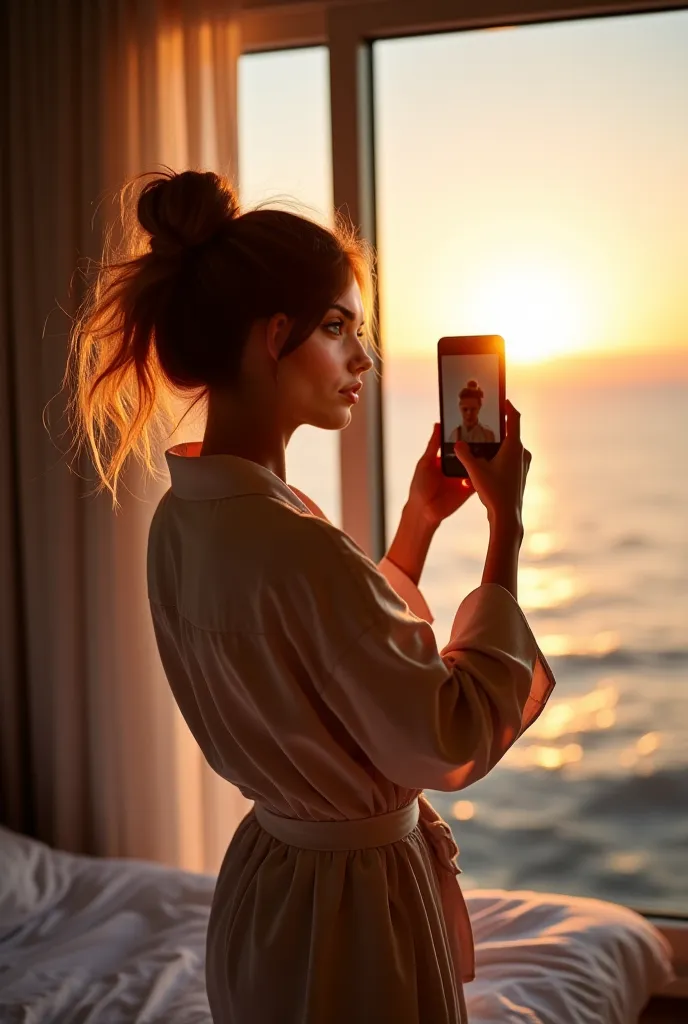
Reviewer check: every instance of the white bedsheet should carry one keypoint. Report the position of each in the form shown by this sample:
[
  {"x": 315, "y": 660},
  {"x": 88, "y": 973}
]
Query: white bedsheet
[
  {"x": 549, "y": 959},
  {"x": 99, "y": 941}
]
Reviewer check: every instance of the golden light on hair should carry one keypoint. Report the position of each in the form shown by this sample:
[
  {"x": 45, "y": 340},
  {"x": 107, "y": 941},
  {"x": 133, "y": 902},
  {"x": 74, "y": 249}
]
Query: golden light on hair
[{"x": 169, "y": 310}]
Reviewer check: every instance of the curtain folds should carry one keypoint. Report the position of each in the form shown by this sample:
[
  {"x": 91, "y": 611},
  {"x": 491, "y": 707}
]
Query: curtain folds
[{"x": 94, "y": 756}]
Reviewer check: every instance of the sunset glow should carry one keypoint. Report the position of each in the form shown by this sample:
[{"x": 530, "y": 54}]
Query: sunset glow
[
  {"x": 542, "y": 198},
  {"x": 515, "y": 215},
  {"x": 537, "y": 310}
]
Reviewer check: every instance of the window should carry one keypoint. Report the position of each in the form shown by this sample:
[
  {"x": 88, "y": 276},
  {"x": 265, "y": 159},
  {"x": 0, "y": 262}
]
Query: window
[
  {"x": 532, "y": 182},
  {"x": 285, "y": 153}
]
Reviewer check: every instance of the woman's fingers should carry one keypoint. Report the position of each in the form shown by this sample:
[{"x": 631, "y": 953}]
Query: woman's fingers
[{"x": 513, "y": 421}]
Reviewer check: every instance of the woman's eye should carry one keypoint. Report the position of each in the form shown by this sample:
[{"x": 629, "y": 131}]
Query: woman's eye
[{"x": 334, "y": 324}]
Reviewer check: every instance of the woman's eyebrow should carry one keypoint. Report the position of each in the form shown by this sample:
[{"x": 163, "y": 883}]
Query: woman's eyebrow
[{"x": 345, "y": 312}]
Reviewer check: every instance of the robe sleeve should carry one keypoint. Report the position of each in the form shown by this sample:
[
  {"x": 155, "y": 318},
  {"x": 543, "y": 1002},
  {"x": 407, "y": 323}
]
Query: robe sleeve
[
  {"x": 395, "y": 576},
  {"x": 405, "y": 588},
  {"x": 427, "y": 719}
]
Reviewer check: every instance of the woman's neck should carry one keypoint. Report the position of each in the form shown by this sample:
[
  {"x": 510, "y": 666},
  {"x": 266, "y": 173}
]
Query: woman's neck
[{"x": 233, "y": 430}]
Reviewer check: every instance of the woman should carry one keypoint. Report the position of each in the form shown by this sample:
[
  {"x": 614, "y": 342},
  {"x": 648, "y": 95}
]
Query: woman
[
  {"x": 309, "y": 676},
  {"x": 471, "y": 429}
]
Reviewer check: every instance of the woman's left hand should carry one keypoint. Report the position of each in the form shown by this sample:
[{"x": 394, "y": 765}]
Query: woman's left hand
[{"x": 433, "y": 493}]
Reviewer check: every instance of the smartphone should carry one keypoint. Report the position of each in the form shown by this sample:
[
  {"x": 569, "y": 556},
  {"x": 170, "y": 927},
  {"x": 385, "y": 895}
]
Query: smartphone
[{"x": 472, "y": 386}]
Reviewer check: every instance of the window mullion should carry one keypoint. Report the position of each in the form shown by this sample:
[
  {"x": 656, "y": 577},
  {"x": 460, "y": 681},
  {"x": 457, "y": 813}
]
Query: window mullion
[{"x": 361, "y": 449}]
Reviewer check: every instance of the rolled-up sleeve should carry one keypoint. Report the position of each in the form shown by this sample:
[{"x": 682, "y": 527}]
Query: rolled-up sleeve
[{"x": 425, "y": 718}]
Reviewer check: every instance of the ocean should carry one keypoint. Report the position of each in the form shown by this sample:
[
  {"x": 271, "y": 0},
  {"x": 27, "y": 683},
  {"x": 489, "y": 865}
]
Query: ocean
[{"x": 593, "y": 800}]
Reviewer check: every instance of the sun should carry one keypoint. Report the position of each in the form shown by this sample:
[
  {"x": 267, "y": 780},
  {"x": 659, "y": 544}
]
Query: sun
[{"x": 536, "y": 310}]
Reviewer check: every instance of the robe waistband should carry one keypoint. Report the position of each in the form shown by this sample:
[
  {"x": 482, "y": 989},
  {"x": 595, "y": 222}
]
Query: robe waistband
[
  {"x": 380, "y": 830},
  {"x": 349, "y": 834}
]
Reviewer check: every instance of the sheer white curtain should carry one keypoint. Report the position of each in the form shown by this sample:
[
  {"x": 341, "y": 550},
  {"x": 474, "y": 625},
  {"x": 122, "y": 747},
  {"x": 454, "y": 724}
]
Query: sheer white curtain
[
  {"x": 95, "y": 755},
  {"x": 178, "y": 73}
]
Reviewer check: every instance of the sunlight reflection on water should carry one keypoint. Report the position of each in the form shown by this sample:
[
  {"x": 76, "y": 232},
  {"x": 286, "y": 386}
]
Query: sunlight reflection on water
[
  {"x": 542, "y": 544},
  {"x": 463, "y": 810},
  {"x": 627, "y": 862},
  {"x": 562, "y": 644},
  {"x": 577, "y": 714},
  {"x": 535, "y": 755},
  {"x": 586, "y": 715},
  {"x": 547, "y": 586}
]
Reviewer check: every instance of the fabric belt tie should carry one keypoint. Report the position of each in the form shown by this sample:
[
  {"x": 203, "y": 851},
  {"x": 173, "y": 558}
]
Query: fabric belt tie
[{"x": 381, "y": 830}]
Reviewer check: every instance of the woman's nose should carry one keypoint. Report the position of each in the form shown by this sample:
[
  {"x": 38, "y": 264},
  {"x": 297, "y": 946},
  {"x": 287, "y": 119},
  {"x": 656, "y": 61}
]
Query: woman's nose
[{"x": 365, "y": 363}]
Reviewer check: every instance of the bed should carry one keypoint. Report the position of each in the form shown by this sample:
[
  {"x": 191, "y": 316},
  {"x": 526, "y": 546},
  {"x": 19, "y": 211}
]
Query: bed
[{"x": 86, "y": 940}]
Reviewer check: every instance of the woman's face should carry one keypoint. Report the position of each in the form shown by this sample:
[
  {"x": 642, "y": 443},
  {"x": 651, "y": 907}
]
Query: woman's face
[
  {"x": 470, "y": 410},
  {"x": 313, "y": 377}
]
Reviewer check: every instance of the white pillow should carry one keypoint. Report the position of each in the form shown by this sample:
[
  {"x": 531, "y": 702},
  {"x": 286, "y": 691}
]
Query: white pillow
[
  {"x": 33, "y": 878},
  {"x": 550, "y": 959}
]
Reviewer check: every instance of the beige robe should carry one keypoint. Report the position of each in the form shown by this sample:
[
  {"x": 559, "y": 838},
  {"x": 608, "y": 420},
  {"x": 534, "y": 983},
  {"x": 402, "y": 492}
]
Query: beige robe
[{"x": 311, "y": 679}]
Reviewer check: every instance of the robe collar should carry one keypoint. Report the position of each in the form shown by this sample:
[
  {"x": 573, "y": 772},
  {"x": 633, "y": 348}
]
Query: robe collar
[{"x": 197, "y": 477}]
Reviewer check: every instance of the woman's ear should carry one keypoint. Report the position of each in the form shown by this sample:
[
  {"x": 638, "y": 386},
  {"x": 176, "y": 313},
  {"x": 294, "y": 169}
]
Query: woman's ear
[{"x": 277, "y": 331}]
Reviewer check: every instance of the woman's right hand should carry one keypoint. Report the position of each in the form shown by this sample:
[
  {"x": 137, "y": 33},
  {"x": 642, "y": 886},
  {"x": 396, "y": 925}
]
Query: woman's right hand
[{"x": 500, "y": 482}]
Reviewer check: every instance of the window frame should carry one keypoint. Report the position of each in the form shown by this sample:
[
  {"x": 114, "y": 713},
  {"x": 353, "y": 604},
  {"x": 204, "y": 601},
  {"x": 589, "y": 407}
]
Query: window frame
[{"x": 349, "y": 29}]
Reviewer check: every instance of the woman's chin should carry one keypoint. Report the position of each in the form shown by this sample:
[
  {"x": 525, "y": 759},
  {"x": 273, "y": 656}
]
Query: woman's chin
[{"x": 332, "y": 418}]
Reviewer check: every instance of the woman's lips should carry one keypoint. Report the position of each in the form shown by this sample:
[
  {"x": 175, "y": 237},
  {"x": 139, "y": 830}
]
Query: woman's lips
[{"x": 351, "y": 394}]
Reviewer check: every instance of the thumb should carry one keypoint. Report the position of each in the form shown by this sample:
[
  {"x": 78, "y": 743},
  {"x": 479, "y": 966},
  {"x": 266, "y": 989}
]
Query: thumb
[
  {"x": 464, "y": 452},
  {"x": 434, "y": 442}
]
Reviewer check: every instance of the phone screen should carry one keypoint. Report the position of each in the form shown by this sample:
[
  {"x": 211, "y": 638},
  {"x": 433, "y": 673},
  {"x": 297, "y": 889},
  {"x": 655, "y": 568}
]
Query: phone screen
[{"x": 470, "y": 405}]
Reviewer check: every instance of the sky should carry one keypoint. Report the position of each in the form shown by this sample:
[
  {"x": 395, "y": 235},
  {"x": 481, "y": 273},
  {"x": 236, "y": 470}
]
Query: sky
[{"x": 531, "y": 182}]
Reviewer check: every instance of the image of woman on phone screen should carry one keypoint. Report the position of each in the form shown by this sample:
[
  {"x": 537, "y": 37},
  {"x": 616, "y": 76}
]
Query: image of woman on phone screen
[
  {"x": 308, "y": 674},
  {"x": 471, "y": 429}
]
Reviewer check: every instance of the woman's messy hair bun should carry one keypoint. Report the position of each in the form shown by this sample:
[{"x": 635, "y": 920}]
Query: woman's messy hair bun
[
  {"x": 471, "y": 390},
  {"x": 184, "y": 211}
]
